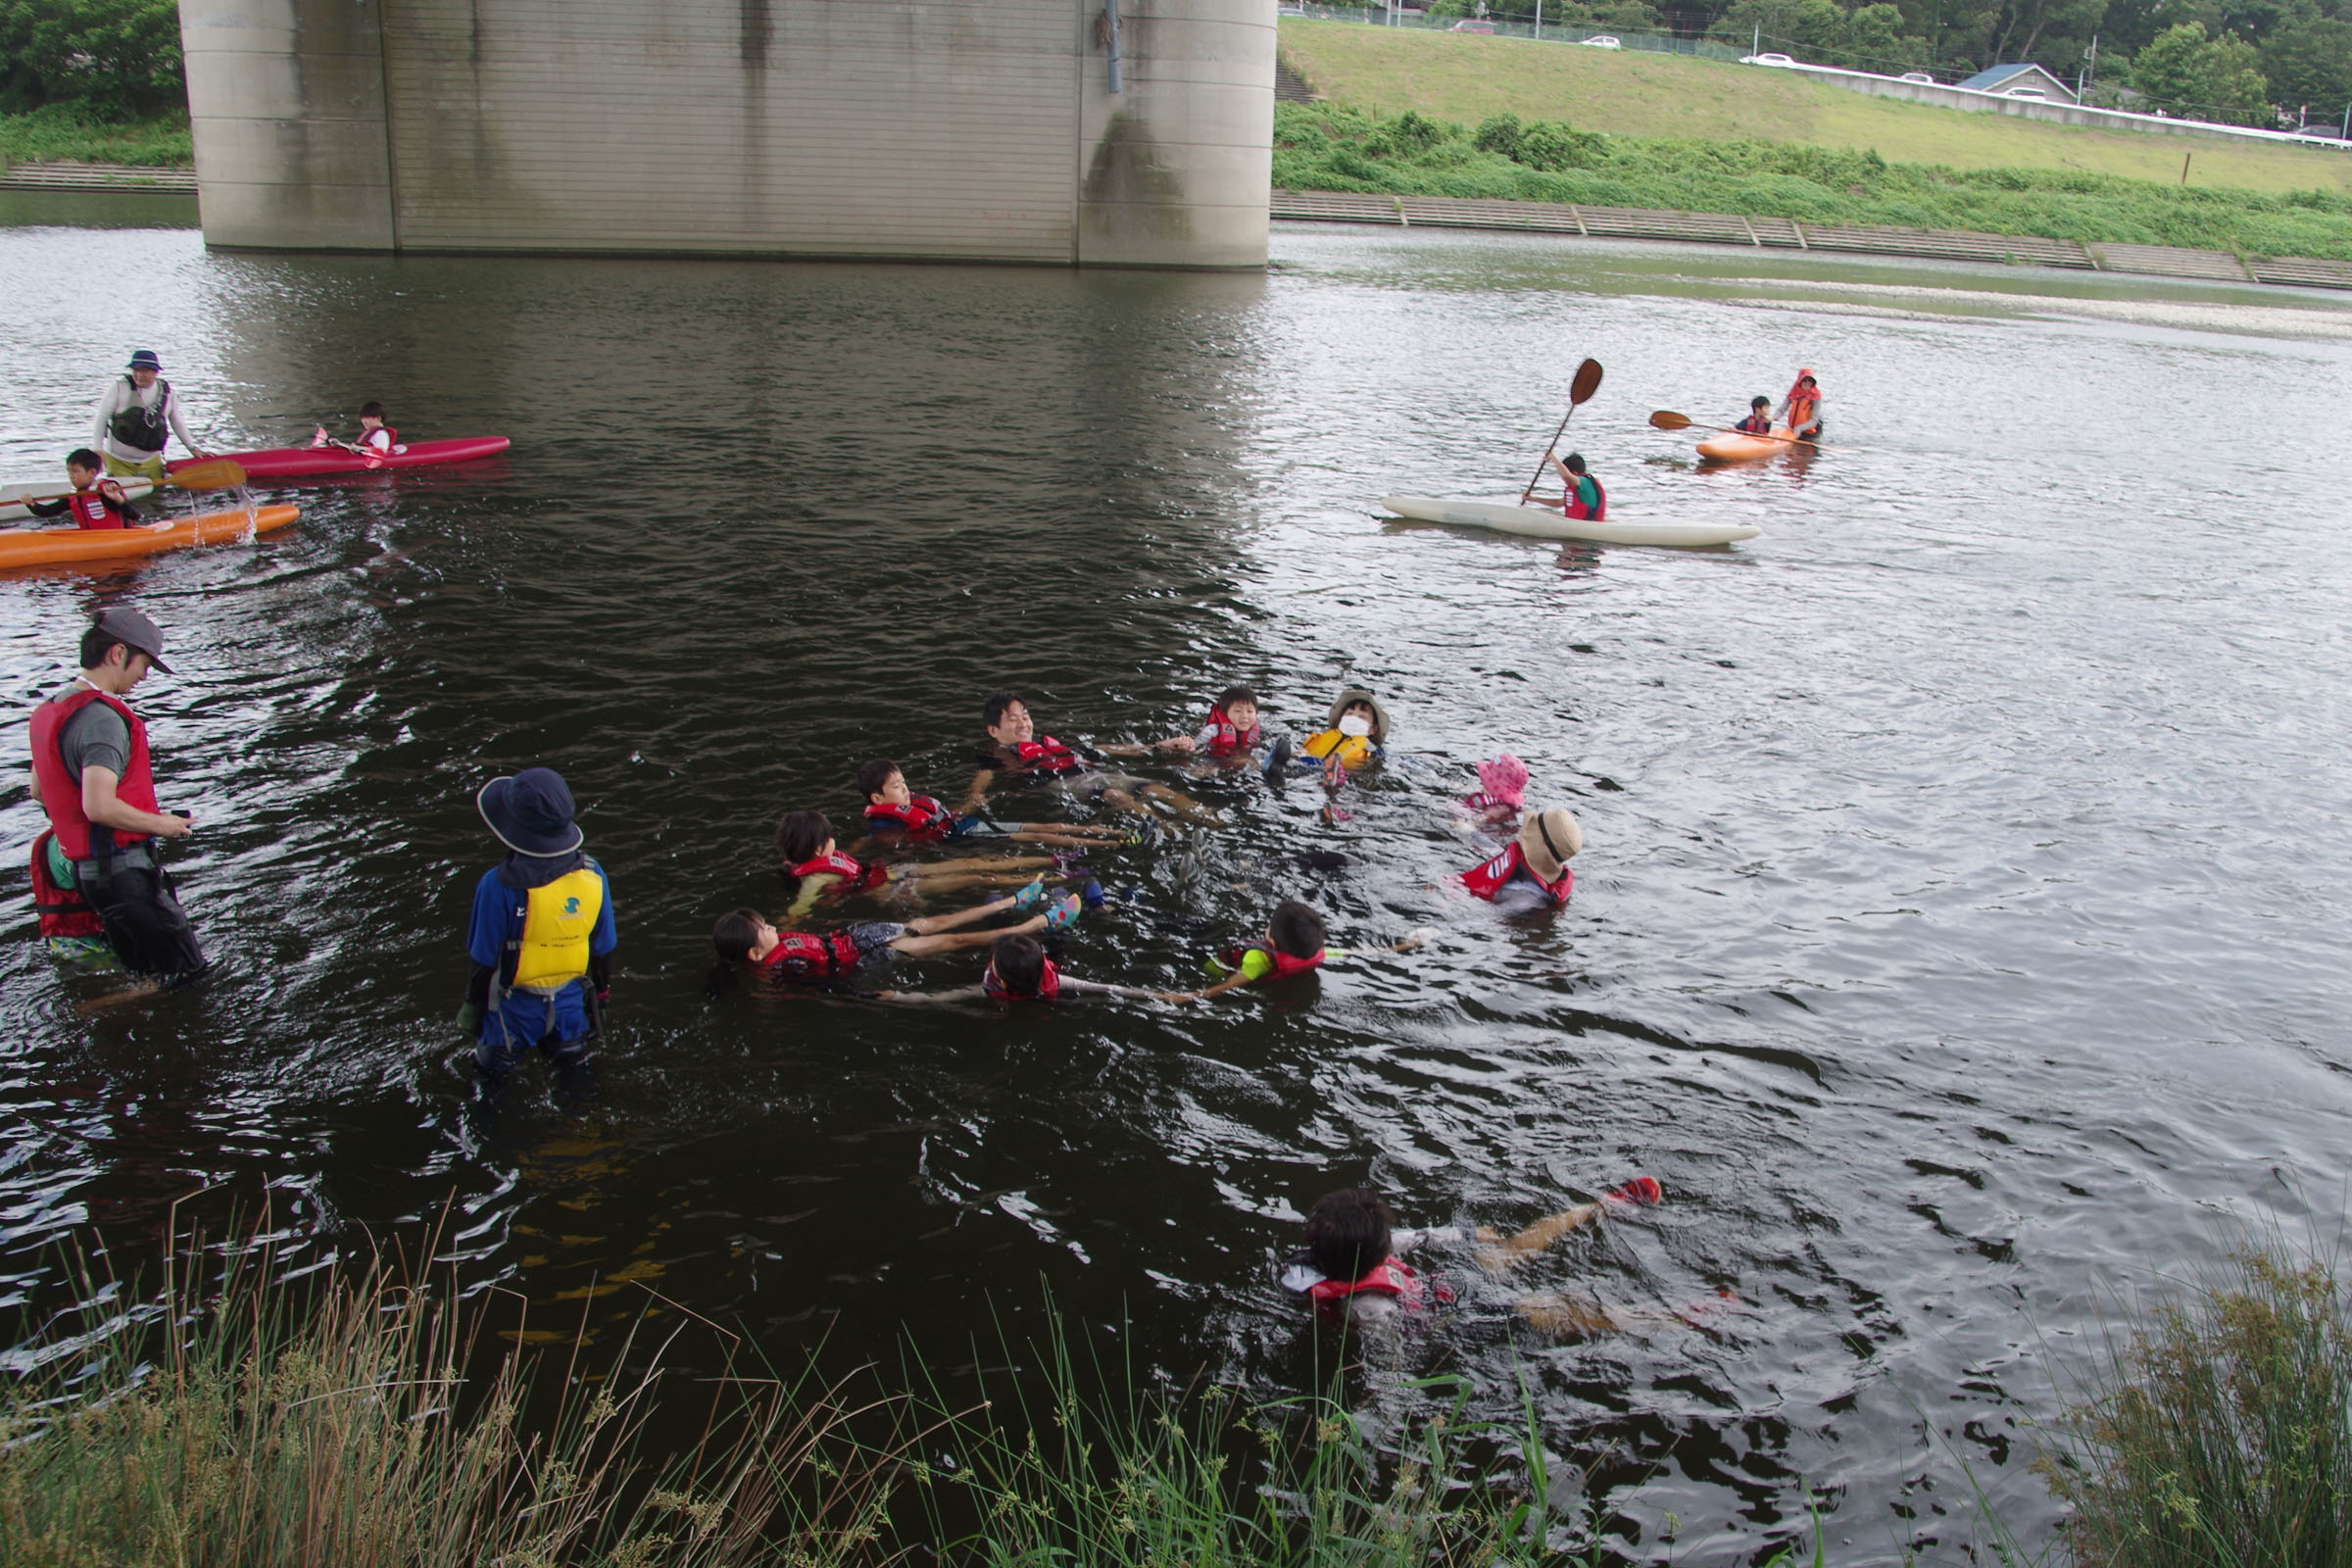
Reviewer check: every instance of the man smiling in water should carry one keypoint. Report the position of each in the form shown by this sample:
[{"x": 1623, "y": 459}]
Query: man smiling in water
[{"x": 1016, "y": 750}]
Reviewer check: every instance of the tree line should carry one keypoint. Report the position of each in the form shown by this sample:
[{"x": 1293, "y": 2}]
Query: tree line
[{"x": 111, "y": 59}]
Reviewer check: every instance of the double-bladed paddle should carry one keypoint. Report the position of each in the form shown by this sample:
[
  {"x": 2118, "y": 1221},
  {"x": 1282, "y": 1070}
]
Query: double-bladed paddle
[
  {"x": 1580, "y": 390},
  {"x": 1668, "y": 419}
]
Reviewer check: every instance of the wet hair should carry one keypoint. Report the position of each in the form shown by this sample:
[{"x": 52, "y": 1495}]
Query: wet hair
[
  {"x": 873, "y": 775},
  {"x": 1020, "y": 965},
  {"x": 85, "y": 458},
  {"x": 1759, "y": 403},
  {"x": 1297, "y": 930},
  {"x": 736, "y": 934},
  {"x": 96, "y": 644},
  {"x": 992, "y": 711},
  {"x": 800, "y": 836},
  {"x": 1236, "y": 694},
  {"x": 1348, "y": 1233},
  {"x": 1574, "y": 462},
  {"x": 371, "y": 411}
]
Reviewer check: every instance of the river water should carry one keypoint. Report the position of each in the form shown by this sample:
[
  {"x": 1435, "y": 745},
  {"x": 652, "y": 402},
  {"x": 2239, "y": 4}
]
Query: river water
[{"x": 1957, "y": 937}]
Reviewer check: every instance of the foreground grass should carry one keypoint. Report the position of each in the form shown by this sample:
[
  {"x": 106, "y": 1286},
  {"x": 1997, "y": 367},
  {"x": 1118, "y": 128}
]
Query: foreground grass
[
  {"x": 62, "y": 130},
  {"x": 1326, "y": 147},
  {"x": 1468, "y": 76}
]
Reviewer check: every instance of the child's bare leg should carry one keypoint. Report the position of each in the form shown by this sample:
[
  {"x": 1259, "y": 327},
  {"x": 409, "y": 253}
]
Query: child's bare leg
[
  {"x": 923, "y": 925},
  {"x": 927, "y": 945},
  {"x": 961, "y": 881},
  {"x": 1498, "y": 1252},
  {"x": 1067, "y": 838},
  {"x": 1565, "y": 1317},
  {"x": 925, "y": 870},
  {"x": 1182, "y": 805}
]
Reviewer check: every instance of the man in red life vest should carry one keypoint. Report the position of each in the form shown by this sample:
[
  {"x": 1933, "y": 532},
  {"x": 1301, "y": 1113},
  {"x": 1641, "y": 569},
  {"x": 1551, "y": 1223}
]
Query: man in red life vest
[
  {"x": 1018, "y": 754},
  {"x": 92, "y": 778}
]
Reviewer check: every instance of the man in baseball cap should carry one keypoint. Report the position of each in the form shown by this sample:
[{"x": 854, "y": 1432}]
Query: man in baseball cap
[{"x": 95, "y": 780}]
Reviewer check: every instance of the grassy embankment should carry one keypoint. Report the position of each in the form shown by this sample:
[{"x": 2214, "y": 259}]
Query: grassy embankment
[
  {"x": 66, "y": 131},
  {"x": 1698, "y": 136}
]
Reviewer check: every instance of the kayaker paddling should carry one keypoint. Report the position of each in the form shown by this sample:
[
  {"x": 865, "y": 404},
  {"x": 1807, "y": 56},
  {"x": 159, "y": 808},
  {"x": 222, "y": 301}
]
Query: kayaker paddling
[
  {"x": 136, "y": 420},
  {"x": 1581, "y": 496}
]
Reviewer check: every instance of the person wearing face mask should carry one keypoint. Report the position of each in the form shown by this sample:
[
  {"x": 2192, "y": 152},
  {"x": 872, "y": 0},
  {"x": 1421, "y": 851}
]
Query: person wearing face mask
[{"x": 1357, "y": 736}]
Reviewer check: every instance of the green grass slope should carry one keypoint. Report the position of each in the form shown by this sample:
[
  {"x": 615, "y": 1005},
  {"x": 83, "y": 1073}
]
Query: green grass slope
[{"x": 1468, "y": 76}]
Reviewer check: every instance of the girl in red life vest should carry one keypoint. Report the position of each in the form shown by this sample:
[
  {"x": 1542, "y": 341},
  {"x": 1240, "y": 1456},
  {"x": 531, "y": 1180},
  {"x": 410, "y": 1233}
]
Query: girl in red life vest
[
  {"x": 817, "y": 869},
  {"x": 378, "y": 442},
  {"x": 1534, "y": 870},
  {"x": 1351, "y": 1262}
]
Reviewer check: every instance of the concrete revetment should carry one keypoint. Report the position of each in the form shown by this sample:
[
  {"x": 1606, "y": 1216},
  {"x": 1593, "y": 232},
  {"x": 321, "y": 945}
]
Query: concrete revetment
[{"x": 931, "y": 129}]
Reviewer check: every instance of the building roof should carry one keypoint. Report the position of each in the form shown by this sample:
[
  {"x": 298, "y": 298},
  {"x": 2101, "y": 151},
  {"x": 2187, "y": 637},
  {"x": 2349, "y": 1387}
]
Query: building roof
[{"x": 2000, "y": 76}]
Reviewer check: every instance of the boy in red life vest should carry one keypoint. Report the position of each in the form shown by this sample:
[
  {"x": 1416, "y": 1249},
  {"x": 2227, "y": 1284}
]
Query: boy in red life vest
[
  {"x": 1292, "y": 946},
  {"x": 1581, "y": 496},
  {"x": 97, "y": 502},
  {"x": 818, "y": 869},
  {"x": 803, "y": 958},
  {"x": 1760, "y": 418},
  {"x": 1352, "y": 1263},
  {"x": 1231, "y": 731},
  {"x": 1018, "y": 970},
  {"x": 1021, "y": 756},
  {"x": 92, "y": 778},
  {"x": 1532, "y": 872},
  {"x": 894, "y": 810},
  {"x": 377, "y": 441}
]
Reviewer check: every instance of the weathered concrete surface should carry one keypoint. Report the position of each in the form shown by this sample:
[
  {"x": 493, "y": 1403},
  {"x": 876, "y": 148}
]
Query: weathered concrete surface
[{"x": 950, "y": 129}]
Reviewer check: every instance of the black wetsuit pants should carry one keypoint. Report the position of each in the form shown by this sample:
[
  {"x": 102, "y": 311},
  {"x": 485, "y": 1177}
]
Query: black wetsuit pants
[{"x": 144, "y": 922}]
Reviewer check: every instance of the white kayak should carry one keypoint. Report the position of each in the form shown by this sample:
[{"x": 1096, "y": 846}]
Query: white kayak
[
  {"x": 1536, "y": 524},
  {"x": 53, "y": 484}
]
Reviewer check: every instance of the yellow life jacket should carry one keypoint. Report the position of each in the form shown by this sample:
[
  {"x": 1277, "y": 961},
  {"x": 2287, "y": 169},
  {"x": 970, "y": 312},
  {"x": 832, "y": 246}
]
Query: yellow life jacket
[
  {"x": 553, "y": 950},
  {"x": 1355, "y": 750}
]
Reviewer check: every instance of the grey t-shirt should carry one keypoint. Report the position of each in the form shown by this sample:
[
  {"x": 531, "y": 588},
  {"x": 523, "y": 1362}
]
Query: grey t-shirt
[{"x": 95, "y": 737}]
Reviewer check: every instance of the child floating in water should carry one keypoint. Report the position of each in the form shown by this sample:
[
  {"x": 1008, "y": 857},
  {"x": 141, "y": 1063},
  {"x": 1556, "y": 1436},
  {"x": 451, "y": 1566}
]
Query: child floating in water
[
  {"x": 1351, "y": 1266},
  {"x": 819, "y": 870},
  {"x": 893, "y": 810},
  {"x": 1501, "y": 791},
  {"x": 1532, "y": 874},
  {"x": 1356, "y": 737},
  {"x": 1018, "y": 970},
  {"x": 1231, "y": 731},
  {"x": 802, "y": 958},
  {"x": 1292, "y": 946}
]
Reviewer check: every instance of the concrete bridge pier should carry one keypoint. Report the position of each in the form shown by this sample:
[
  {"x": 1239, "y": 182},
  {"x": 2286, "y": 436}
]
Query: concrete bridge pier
[{"x": 930, "y": 129}]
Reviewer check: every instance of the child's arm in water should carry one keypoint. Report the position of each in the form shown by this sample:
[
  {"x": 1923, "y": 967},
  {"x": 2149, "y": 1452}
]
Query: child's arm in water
[
  {"x": 1498, "y": 1253},
  {"x": 977, "y": 796},
  {"x": 1242, "y": 977}
]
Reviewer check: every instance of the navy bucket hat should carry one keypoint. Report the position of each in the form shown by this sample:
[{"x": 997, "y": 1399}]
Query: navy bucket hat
[
  {"x": 531, "y": 812},
  {"x": 144, "y": 360}
]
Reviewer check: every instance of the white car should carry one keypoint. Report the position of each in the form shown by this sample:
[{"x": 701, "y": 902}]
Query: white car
[
  {"x": 1600, "y": 40},
  {"x": 1920, "y": 76},
  {"x": 1766, "y": 60}
]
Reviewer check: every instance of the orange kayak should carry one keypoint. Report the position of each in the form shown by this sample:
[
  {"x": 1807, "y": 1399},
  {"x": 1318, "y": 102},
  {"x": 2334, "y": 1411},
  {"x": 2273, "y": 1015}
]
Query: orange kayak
[
  {"x": 42, "y": 547},
  {"x": 1748, "y": 447}
]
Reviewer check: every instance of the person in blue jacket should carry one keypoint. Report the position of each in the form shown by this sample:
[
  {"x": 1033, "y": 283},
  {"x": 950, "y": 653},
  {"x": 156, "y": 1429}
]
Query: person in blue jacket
[{"x": 541, "y": 936}]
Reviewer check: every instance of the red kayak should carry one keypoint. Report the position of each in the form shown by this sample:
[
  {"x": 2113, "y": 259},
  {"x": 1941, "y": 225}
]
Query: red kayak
[{"x": 312, "y": 462}]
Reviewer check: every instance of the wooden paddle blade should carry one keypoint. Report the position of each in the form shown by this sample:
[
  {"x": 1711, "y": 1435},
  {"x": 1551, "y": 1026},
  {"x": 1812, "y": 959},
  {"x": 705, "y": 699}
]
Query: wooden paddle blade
[
  {"x": 215, "y": 473},
  {"x": 1586, "y": 382},
  {"x": 1668, "y": 419}
]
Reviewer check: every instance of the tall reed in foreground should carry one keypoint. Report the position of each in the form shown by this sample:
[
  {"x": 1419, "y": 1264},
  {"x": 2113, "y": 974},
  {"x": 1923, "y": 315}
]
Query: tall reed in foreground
[{"x": 2219, "y": 1434}]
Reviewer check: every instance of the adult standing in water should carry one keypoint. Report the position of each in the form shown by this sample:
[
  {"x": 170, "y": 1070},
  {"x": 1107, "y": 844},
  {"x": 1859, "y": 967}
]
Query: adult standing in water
[
  {"x": 136, "y": 418},
  {"x": 92, "y": 775},
  {"x": 541, "y": 934},
  {"x": 1800, "y": 409}
]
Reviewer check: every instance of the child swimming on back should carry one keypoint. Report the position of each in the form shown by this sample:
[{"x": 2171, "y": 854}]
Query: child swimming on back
[
  {"x": 805, "y": 957},
  {"x": 1018, "y": 752},
  {"x": 819, "y": 870},
  {"x": 1230, "y": 732}
]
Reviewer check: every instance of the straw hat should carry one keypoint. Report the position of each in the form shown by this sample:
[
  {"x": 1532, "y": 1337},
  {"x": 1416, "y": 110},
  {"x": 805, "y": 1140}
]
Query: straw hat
[
  {"x": 1550, "y": 839},
  {"x": 1356, "y": 694}
]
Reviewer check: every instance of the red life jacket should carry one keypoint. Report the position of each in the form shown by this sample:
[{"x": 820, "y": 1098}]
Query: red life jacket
[
  {"x": 801, "y": 958},
  {"x": 375, "y": 446},
  {"x": 855, "y": 875},
  {"x": 95, "y": 509},
  {"x": 62, "y": 910},
  {"x": 61, "y": 791},
  {"x": 1227, "y": 739},
  {"x": 1045, "y": 754},
  {"x": 1601, "y": 510},
  {"x": 1049, "y": 984},
  {"x": 1487, "y": 880},
  {"x": 923, "y": 819},
  {"x": 1285, "y": 965},
  {"x": 1391, "y": 1277},
  {"x": 1755, "y": 425}
]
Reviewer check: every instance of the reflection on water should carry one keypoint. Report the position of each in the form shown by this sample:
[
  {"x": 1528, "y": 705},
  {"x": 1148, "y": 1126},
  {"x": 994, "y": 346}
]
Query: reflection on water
[{"x": 1953, "y": 938}]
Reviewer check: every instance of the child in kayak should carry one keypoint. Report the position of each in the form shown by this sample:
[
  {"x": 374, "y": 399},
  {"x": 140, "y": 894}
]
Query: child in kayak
[
  {"x": 1581, "y": 496},
  {"x": 377, "y": 442},
  {"x": 893, "y": 810},
  {"x": 1532, "y": 874},
  {"x": 1760, "y": 418},
  {"x": 803, "y": 958},
  {"x": 818, "y": 870},
  {"x": 1020, "y": 756},
  {"x": 97, "y": 502},
  {"x": 1351, "y": 1266},
  {"x": 1800, "y": 410}
]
